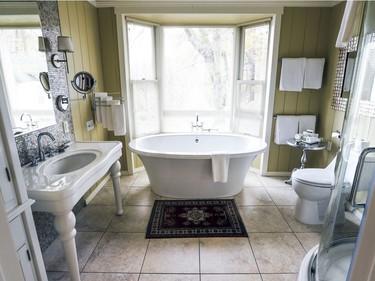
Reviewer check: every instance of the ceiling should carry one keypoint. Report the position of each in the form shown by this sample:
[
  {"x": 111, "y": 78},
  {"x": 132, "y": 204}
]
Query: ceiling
[{"x": 269, "y": 3}]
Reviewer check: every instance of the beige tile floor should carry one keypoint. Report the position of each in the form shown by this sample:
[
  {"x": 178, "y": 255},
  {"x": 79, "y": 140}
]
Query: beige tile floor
[{"x": 114, "y": 247}]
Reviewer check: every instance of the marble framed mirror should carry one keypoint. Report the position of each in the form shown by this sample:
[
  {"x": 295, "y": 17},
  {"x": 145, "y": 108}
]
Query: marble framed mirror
[
  {"x": 365, "y": 74},
  {"x": 21, "y": 63},
  {"x": 341, "y": 86}
]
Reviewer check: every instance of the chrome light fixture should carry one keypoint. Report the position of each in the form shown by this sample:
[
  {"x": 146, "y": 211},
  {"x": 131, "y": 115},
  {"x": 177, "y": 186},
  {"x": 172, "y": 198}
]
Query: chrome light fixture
[{"x": 65, "y": 45}]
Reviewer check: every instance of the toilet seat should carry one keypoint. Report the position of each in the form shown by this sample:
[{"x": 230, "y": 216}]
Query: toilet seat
[{"x": 320, "y": 178}]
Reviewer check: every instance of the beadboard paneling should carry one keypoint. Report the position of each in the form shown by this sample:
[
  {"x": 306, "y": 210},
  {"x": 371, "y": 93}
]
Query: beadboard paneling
[
  {"x": 300, "y": 32},
  {"x": 79, "y": 20}
]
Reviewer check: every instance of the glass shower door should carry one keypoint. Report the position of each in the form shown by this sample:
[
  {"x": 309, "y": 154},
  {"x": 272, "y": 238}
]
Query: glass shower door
[
  {"x": 342, "y": 247},
  {"x": 345, "y": 213}
]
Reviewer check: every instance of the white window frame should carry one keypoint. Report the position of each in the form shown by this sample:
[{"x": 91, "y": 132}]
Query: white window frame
[
  {"x": 240, "y": 81},
  {"x": 240, "y": 8}
]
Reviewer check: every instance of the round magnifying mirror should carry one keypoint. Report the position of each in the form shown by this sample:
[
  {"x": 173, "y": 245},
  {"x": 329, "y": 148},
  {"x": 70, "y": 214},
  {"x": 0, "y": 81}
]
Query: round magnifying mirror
[
  {"x": 83, "y": 82},
  {"x": 44, "y": 81}
]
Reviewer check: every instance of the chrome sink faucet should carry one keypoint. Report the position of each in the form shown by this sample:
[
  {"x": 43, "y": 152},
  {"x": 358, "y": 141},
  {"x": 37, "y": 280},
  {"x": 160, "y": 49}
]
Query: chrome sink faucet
[
  {"x": 42, "y": 155},
  {"x": 197, "y": 124}
]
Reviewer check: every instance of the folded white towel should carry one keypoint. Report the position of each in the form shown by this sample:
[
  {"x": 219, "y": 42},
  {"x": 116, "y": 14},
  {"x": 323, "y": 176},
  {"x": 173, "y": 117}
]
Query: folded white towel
[
  {"x": 313, "y": 73},
  {"x": 220, "y": 165},
  {"x": 97, "y": 96},
  {"x": 110, "y": 103},
  {"x": 292, "y": 71},
  {"x": 119, "y": 121},
  {"x": 307, "y": 122},
  {"x": 103, "y": 110},
  {"x": 286, "y": 127}
]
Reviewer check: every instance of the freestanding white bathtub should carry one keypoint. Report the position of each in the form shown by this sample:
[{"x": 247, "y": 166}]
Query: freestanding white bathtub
[{"x": 180, "y": 165}]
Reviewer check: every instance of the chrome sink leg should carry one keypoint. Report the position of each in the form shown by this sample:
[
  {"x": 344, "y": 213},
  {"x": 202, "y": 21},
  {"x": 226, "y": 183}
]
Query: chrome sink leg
[
  {"x": 115, "y": 176},
  {"x": 64, "y": 224}
]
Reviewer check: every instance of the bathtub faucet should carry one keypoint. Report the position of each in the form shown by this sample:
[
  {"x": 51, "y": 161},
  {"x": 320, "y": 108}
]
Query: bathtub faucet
[{"x": 197, "y": 125}]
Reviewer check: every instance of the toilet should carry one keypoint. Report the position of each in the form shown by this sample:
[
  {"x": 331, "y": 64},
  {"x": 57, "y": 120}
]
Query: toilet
[{"x": 313, "y": 187}]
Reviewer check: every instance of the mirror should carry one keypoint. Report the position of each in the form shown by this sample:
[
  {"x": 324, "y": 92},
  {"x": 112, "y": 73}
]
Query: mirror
[
  {"x": 44, "y": 81},
  {"x": 84, "y": 83},
  {"x": 348, "y": 75},
  {"x": 21, "y": 64},
  {"x": 344, "y": 72}
]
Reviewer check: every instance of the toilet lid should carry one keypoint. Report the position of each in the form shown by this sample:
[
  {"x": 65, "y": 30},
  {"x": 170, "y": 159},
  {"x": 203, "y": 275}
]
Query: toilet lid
[{"x": 315, "y": 177}]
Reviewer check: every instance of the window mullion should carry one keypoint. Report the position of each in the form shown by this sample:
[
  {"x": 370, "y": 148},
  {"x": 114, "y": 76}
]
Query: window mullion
[
  {"x": 237, "y": 71},
  {"x": 158, "y": 71}
]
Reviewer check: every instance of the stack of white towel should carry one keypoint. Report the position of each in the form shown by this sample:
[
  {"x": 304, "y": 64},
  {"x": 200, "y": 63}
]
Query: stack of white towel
[
  {"x": 299, "y": 73},
  {"x": 287, "y": 126},
  {"x": 110, "y": 113}
]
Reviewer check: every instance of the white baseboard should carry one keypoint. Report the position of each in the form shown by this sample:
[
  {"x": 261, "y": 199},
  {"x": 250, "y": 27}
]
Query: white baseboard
[
  {"x": 277, "y": 174},
  {"x": 139, "y": 169},
  {"x": 270, "y": 174}
]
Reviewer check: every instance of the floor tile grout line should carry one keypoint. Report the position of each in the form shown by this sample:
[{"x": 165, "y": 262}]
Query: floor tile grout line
[
  {"x": 255, "y": 259},
  {"x": 83, "y": 268},
  {"x": 199, "y": 259},
  {"x": 295, "y": 235},
  {"x": 104, "y": 232},
  {"x": 144, "y": 258}
]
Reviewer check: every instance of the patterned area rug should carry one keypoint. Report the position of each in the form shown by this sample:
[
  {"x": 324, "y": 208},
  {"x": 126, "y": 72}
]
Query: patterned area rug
[{"x": 195, "y": 218}]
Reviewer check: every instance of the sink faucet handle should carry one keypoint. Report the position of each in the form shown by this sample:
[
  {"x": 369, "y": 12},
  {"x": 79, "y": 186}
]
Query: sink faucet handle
[
  {"x": 33, "y": 161},
  {"x": 63, "y": 147}
]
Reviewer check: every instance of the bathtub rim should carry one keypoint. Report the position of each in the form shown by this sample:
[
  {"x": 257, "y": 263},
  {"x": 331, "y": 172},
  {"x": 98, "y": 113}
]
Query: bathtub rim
[{"x": 260, "y": 147}]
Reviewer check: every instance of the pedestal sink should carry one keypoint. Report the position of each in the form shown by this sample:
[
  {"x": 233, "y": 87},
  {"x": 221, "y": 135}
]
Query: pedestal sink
[{"x": 57, "y": 184}]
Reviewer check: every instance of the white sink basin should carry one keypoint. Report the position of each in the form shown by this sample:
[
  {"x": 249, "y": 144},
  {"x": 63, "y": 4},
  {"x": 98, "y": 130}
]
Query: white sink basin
[{"x": 70, "y": 163}]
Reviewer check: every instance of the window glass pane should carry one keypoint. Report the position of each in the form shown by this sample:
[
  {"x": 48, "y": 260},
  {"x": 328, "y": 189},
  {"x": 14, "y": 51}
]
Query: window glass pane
[
  {"x": 250, "y": 124},
  {"x": 251, "y": 107},
  {"x": 141, "y": 51},
  {"x": 255, "y": 52},
  {"x": 146, "y": 108},
  {"x": 197, "y": 68},
  {"x": 251, "y": 97}
]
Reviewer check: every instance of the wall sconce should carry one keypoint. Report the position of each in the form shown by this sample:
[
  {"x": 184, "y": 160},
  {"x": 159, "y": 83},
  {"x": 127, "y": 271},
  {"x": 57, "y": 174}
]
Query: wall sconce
[{"x": 65, "y": 45}]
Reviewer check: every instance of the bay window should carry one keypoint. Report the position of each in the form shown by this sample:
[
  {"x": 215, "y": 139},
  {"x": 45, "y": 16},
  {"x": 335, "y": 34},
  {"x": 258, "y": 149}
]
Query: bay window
[{"x": 179, "y": 72}]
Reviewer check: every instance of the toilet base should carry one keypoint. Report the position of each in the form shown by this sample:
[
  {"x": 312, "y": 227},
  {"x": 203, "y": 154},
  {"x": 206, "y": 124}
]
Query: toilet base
[{"x": 310, "y": 212}]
